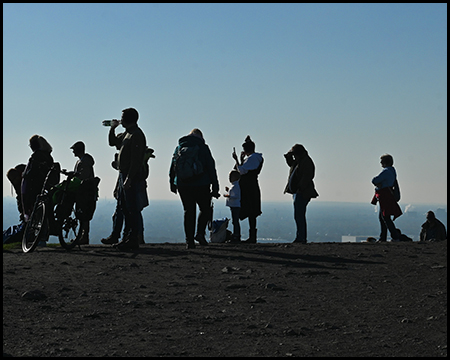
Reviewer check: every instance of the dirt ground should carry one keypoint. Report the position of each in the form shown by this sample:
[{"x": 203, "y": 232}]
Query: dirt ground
[{"x": 319, "y": 299}]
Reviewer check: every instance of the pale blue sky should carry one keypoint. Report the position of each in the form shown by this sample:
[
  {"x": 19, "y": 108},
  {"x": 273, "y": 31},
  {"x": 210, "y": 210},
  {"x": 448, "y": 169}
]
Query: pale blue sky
[{"x": 348, "y": 81}]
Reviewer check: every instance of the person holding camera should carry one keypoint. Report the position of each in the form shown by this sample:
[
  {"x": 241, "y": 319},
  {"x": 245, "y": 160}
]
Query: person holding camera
[{"x": 301, "y": 186}]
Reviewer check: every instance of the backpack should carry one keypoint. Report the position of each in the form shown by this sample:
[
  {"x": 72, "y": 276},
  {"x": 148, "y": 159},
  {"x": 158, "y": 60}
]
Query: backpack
[
  {"x": 14, "y": 233},
  {"x": 187, "y": 164}
]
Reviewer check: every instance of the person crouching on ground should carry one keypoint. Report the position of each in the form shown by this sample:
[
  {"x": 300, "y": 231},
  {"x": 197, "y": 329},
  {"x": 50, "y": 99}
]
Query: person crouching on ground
[{"x": 432, "y": 229}]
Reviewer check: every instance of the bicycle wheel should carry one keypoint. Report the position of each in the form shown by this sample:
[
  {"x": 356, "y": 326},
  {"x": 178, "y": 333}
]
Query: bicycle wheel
[
  {"x": 70, "y": 233},
  {"x": 36, "y": 229}
]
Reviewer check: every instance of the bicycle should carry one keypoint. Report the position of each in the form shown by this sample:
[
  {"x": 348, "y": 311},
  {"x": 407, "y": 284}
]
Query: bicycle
[{"x": 57, "y": 219}]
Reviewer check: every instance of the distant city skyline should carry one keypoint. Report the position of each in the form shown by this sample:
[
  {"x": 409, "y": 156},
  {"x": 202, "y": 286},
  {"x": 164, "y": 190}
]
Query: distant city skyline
[{"x": 348, "y": 81}]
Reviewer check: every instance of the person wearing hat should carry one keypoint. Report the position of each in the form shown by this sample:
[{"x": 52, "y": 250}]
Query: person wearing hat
[
  {"x": 85, "y": 168},
  {"x": 85, "y": 165}
]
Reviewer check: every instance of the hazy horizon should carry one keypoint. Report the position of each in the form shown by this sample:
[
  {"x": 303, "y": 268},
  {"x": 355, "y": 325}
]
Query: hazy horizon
[{"x": 327, "y": 221}]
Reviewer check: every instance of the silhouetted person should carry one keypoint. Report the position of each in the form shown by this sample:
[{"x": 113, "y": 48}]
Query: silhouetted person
[
  {"x": 35, "y": 173},
  {"x": 118, "y": 217},
  {"x": 384, "y": 183},
  {"x": 86, "y": 203},
  {"x": 197, "y": 189},
  {"x": 132, "y": 192},
  {"x": 432, "y": 229},
  {"x": 249, "y": 166},
  {"x": 301, "y": 186},
  {"x": 233, "y": 197}
]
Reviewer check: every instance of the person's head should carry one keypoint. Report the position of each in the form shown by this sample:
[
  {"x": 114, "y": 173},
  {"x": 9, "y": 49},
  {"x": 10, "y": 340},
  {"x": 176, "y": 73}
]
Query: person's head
[
  {"x": 196, "y": 132},
  {"x": 248, "y": 146},
  {"x": 430, "y": 216},
  {"x": 296, "y": 152},
  {"x": 130, "y": 116},
  {"x": 37, "y": 142},
  {"x": 78, "y": 148},
  {"x": 234, "y": 176},
  {"x": 386, "y": 160}
]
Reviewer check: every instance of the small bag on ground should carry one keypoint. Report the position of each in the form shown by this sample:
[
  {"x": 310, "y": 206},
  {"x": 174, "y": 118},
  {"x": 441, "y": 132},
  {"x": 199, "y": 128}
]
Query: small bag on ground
[{"x": 219, "y": 230}]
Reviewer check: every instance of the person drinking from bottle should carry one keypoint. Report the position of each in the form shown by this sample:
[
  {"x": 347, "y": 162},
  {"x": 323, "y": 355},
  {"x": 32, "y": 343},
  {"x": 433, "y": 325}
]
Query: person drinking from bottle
[{"x": 132, "y": 193}]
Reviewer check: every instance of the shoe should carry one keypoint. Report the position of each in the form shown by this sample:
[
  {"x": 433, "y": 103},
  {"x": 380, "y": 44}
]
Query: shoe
[
  {"x": 128, "y": 244},
  {"x": 201, "y": 239},
  {"x": 110, "y": 240},
  {"x": 381, "y": 241}
]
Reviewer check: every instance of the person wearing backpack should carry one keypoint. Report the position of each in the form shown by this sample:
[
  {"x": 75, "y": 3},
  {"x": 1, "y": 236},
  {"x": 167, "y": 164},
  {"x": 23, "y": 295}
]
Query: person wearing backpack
[
  {"x": 385, "y": 183},
  {"x": 193, "y": 176}
]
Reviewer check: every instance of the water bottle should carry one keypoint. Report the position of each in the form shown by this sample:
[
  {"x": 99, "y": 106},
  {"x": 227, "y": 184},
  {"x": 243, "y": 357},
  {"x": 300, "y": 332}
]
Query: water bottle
[{"x": 108, "y": 122}]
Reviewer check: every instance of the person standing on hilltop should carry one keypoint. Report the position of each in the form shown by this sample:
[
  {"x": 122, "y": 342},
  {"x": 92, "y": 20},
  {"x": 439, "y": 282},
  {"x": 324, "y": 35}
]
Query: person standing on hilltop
[
  {"x": 86, "y": 200},
  {"x": 131, "y": 191},
  {"x": 193, "y": 175},
  {"x": 386, "y": 186},
  {"x": 34, "y": 175},
  {"x": 249, "y": 166},
  {"x": 301, "y": 186}
]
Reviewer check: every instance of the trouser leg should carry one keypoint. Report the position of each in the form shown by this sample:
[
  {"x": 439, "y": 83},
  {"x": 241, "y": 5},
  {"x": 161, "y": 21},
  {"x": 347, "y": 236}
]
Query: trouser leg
[{"x": 300, "y": 216}]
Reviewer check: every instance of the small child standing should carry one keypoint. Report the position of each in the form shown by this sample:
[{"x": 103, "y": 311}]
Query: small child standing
[{"x": 233, "y": 201}]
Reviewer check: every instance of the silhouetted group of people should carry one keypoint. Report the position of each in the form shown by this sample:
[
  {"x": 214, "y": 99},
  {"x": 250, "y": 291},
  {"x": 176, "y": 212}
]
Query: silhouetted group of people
[
  {"x": 193, "y": 176},
  {"x": 29, "y": 181}
]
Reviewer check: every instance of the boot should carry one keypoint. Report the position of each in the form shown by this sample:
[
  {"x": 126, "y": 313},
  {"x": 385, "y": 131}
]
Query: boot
[
  {"x": 111, "y": 239},
  {"x": 252, "y": 237},
  {"x": 190, "y": 244}
]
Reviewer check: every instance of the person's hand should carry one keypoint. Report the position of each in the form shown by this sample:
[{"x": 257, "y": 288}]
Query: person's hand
[
  {"x": 215, "y": 194},
  {"x": 173, "y": 188},
  {"x": 114, "y": 123},
  {"x": 233, "y": 154}
]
